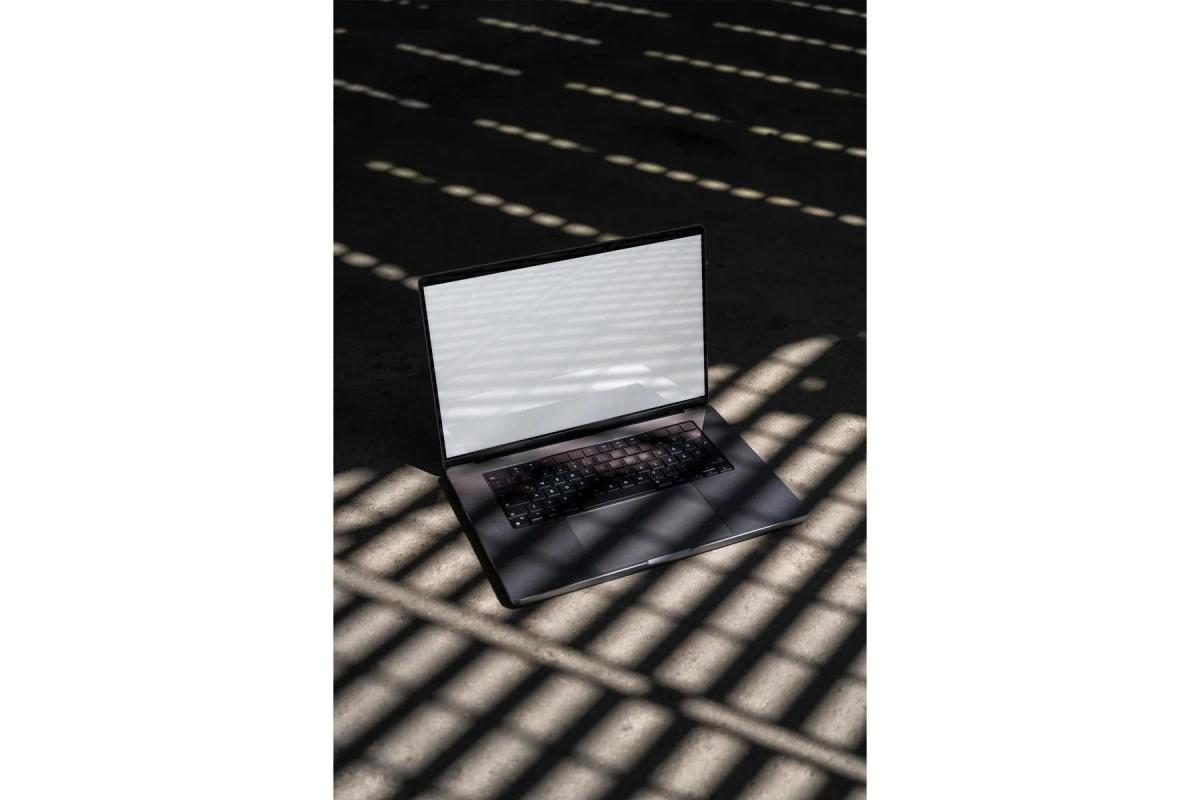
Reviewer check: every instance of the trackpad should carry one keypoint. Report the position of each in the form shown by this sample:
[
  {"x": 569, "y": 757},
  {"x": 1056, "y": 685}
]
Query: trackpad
[{"x": 638, "y": 530}]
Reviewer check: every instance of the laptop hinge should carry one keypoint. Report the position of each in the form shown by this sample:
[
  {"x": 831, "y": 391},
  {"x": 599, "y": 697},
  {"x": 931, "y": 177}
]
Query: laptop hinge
[{"x": 574, "y": 433}]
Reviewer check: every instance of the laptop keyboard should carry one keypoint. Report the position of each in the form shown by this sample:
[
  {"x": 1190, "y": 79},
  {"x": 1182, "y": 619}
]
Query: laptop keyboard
[{"x": 599, "y": 474}]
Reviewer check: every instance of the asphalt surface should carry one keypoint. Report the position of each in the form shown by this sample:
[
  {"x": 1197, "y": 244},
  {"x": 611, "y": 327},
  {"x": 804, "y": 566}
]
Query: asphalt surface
[{"x": 504, "y": 129}]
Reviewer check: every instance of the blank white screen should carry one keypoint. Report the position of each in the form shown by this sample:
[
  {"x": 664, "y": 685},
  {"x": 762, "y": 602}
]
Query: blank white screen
[{"x": 541, "y": 349}]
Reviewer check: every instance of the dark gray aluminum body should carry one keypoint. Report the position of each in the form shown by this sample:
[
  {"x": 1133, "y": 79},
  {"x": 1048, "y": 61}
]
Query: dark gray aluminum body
[{"x": 557, "y": 556}]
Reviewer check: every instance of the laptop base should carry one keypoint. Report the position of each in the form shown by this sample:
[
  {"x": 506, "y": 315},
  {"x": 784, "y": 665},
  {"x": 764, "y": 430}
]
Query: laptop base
[{"x": 533, "y": 562}]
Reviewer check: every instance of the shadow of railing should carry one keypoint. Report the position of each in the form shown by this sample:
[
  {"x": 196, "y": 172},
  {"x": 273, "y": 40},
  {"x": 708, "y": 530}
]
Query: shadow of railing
[
  {"x": 830, "y": 671},
  {"x": 731, "y": 674}
]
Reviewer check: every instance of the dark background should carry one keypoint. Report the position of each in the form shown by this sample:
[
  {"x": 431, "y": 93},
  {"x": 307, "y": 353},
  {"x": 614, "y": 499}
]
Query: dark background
[{"x": 776, "y": 275}]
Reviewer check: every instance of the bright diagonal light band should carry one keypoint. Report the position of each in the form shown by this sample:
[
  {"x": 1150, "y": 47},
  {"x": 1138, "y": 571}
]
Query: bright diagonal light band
[
  {"x": 519, "y": 210},
  {"x": 732, "y": 69}
]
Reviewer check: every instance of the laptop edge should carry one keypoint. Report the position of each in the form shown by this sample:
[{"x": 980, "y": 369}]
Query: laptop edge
[{"x": 742, "y": 504}]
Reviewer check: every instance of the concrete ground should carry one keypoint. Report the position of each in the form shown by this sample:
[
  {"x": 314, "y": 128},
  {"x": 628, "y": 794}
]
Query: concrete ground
[{"x": 504, "y": 129}]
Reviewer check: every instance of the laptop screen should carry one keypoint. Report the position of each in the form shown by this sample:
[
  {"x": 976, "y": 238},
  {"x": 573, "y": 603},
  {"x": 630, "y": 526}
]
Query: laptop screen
[{"x": 536, "y": 350}]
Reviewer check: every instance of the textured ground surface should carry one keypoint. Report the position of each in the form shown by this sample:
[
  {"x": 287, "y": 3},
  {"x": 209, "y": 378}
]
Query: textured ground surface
[{"x": 739, "y": 673}]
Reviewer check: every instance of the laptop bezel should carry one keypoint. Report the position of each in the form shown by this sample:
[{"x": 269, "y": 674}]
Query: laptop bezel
[{"x": 546, "y": 258}]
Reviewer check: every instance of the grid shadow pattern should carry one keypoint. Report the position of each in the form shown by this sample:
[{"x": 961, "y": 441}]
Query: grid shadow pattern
[{"x": 737, "y": 673}]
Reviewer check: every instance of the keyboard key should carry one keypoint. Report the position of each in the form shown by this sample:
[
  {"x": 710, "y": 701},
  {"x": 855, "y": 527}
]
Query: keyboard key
[
  {"x": 562, "y": 484},
  {"x": 514, "y": 499}
]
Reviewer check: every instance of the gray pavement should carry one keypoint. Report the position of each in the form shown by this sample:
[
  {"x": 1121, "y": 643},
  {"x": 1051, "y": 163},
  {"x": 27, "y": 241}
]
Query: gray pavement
[{"x": 738, "y": 673}]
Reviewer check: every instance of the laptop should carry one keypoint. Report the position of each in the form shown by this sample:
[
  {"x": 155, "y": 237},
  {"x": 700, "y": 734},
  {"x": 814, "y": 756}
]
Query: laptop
[{"x": 577, "y": 441}]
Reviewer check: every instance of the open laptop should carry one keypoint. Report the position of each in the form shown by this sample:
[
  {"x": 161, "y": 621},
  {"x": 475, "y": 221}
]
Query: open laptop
[{"x": 577, "y": 442}]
